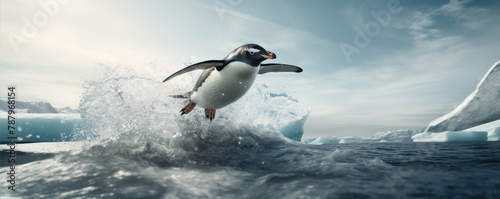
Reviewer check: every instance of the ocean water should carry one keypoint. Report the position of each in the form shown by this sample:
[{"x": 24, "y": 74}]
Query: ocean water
[
  {"x": 247, "y": 166},
  {"x": 133, "y": 143}
]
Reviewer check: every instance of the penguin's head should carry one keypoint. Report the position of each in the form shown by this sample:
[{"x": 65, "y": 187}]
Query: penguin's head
[{"x": 251, "y": 54}]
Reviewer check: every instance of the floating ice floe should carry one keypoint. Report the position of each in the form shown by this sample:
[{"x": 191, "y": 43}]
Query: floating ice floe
[
  {"x": 347, "y": 140},
  {"x": 451, "y": 136},
  {"x": 319, "y": 141},
  {"x": 493, "y": 129}
]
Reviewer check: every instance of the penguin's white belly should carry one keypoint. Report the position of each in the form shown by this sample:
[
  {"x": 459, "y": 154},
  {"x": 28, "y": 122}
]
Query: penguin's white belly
[{"x": 225, "y": 87}]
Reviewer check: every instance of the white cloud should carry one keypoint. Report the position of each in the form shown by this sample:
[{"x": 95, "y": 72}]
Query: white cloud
[
  {"x": 423, "y": 24},
  {"x": 454, "y": 7},
  {"x": 419, "y": 24}
]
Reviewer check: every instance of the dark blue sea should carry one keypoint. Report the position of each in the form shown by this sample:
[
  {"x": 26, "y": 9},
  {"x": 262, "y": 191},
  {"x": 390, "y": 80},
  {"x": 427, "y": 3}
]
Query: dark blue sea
[{"x": 248, "y": 166}]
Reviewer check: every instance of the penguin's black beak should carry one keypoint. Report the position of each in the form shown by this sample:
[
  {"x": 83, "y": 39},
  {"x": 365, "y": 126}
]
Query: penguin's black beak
[{"x": 269, "y": 55}]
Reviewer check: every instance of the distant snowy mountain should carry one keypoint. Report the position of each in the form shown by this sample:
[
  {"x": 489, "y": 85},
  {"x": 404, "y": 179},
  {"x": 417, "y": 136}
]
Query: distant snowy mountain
[
  {"x": 34, "y": 107},
  {"x": 41, "y": 122},
  {"x": 66, "y": 110},
  {"x": 480, "y": 107}
]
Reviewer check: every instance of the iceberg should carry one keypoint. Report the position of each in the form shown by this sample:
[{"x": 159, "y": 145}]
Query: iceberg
[
  {"x": 494, "y": 135},
  {"x": 493, "y": 129},
  {"x": 451, "y": 136},
  {"x": 480, "y": 107},
  {"x": 319, "y": 141},
  {"x": 280, "y": 112},
  {"x": 347, "y": 140},
  {"x": 394, "y": 136}
]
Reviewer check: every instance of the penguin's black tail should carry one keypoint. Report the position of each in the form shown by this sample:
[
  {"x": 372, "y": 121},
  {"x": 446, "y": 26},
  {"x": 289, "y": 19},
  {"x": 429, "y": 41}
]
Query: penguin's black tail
[{"x": 183, "y": 96}]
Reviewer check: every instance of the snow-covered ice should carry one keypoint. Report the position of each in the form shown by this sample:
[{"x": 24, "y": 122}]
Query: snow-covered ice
[
  {"x": 319, "y": 141},
  {"x": 493, "y": 129},
  {"x": 394, "y": 136},
  {"x": 347, "y": 140},
  {"x": 451, "y": 136},
  {"x": 481, "y": 106},
  {"x": 477, "y": 118}
]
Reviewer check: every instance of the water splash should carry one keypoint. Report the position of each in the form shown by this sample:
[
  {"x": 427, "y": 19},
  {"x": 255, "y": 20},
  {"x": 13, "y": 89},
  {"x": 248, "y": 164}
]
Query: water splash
[{"x": 135, "y": 117}]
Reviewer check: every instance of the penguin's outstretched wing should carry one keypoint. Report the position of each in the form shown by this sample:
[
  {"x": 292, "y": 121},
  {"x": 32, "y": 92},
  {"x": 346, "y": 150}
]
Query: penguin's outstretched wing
[
  {"x": 278, "y": 68},
  {"x": 198, "y": 66}
]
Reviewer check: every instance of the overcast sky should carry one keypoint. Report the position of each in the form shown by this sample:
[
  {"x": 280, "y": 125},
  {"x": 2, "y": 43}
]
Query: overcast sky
[{"x": 369, "y": 66}]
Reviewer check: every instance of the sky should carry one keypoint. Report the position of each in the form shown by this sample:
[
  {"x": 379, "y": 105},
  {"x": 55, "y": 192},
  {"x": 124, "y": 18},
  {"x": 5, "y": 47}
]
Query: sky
[{"x": 369, "y": 66}]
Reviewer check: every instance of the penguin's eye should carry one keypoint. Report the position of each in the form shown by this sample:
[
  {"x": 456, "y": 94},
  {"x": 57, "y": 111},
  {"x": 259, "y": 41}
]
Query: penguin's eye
[{"x": 252, "y": 50}]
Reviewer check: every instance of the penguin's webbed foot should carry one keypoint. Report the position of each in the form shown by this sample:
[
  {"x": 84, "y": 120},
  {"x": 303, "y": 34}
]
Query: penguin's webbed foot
[
  {"x": 210, "y": 113},
  {"x": 188, "y": 108}
]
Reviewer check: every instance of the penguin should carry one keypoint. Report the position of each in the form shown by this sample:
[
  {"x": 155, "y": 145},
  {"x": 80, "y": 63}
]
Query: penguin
[{"x": 225, "y": 81}]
